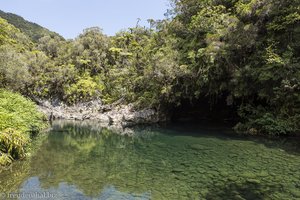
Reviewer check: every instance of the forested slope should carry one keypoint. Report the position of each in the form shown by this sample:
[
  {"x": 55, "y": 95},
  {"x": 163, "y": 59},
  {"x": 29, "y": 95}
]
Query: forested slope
[
  {"x": 32, "y": 30},
  {"x": 19, "y": 117},
  {"x": 237, "y": 57}
]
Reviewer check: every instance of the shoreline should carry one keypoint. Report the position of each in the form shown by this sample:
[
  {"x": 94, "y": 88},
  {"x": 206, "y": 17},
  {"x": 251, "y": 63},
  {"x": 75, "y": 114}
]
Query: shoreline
[{"x": 110, "y": 115}]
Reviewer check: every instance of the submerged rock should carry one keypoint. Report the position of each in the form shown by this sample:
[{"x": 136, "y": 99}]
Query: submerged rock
[
  {"x": 199, "y": 147},
  {"x": 253, "y": 181},
  {"x": 295, "y": 193}
]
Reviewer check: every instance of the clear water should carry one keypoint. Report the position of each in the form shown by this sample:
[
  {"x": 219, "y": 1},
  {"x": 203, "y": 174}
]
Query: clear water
[{"x": 85, "y": 161}]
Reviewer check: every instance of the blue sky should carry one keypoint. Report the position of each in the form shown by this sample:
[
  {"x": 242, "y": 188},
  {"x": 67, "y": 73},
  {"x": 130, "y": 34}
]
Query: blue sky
[{"x": 70, "y": 17}]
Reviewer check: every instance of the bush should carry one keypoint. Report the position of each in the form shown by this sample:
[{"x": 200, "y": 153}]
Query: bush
[
  {"x": 85, "y": 89},
  {"x": 5, "y": 159},
  {"x": 257, "y": 120},
  {"x": 19, "y": 120},
  {"x": 19, "y": 113},
  {"x": 13, "y": 142}
]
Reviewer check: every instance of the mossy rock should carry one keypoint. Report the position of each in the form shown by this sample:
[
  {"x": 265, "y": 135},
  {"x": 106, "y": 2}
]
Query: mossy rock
[
  {"x": 248, "y": 175},
  {"x": 263, "y": 174},
  {"x": 199, "y": 147},
  {"x": 254, "y": 181},
  {"x": 238, "y": 197},
  {"x": 224, "y": 174},
  {"x": 177, "y": 170},
  {"x": 233, "y": 178},
  {"x": 295, "y": 192}
]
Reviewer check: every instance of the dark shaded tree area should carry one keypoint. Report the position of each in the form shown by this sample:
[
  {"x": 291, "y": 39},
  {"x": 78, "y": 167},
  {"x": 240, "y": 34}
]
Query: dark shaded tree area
[
  {"x": 245, "y": 53},
  {"x": 235, "y": 57}
]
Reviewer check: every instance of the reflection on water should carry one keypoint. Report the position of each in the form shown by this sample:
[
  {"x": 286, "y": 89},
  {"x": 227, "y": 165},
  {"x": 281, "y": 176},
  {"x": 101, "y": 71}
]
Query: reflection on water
[
  {"x": 86, "y": 161},
  {"x": 66, "y": 191}
]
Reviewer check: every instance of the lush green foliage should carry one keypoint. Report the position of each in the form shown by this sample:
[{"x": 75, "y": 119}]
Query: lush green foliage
[
  {"x": 19, "y": 120},
  {"x": 241, "y": 54},
  {"x": 245, "y": 51},
  {"x": 32, "y": 30}
]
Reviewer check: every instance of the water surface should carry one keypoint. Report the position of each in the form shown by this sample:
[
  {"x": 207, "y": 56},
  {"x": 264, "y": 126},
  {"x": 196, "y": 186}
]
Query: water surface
[{"x": 85, "y": 161}]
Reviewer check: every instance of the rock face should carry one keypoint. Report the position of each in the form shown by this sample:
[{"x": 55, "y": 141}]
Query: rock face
[{"x": 124, "y": 115}]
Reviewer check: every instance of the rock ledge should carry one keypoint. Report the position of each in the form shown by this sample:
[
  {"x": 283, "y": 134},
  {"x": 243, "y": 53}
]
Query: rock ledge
[{"x": 124, "y": 115}]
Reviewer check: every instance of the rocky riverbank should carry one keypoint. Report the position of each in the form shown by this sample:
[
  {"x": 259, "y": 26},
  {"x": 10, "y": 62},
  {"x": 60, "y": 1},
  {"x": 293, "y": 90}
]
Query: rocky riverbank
[{"x": 114, "y": 114}]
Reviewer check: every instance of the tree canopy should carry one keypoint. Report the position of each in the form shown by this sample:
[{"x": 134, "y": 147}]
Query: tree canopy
[{"x": 236, "y": 55}]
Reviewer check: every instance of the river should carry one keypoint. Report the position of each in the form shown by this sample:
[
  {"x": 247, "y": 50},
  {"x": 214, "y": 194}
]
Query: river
[{"x": 177, "y": 161}]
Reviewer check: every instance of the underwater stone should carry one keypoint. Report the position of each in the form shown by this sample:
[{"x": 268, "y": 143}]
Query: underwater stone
[
  {"x": 263, "y": 174},
  {"x": 255, "y": 181},
  {"x": 177, "y": 170},
  {"x": 224, "y": 174},
  {"x": 295, "y": 192},
  {"x": 239, "y": 197},
  {"x": 232, "y": 178},
  {"x": 248, "y": 175},
  {"x": 198, "y": 147}
]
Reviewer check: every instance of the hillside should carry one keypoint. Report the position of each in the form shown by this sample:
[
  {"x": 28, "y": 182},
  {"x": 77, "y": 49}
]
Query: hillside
[
  {"x": 33, "y": 30},
  {"x": 222, "y": 61}
]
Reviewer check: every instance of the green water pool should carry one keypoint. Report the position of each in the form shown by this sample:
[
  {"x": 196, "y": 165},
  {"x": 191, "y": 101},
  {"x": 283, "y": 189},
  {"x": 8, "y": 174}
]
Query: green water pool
[{"x": 86, "y": 161}]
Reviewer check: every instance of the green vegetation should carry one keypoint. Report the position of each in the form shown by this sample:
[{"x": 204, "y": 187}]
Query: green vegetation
[
  {"x": 19, "y": 122},
  {"x": 238, "y": 57},
  {"x": 32, "y": 30}
]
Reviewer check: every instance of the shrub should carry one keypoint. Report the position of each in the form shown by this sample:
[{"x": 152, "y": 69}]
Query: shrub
[
  {"x": 19, "y": 113},
  {"x": 84, "y": 89},
  {"x": 257, "y": 120},
  {"x": 19, "y": 120},
  {"x": 13, "y": 142},
  {"x": 5, "y": 159}
]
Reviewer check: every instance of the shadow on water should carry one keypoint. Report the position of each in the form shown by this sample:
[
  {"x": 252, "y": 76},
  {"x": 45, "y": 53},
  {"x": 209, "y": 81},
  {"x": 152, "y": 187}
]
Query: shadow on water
[
  {"x": 290, "y": 144},
  {"x": 238, "y": 191}
]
